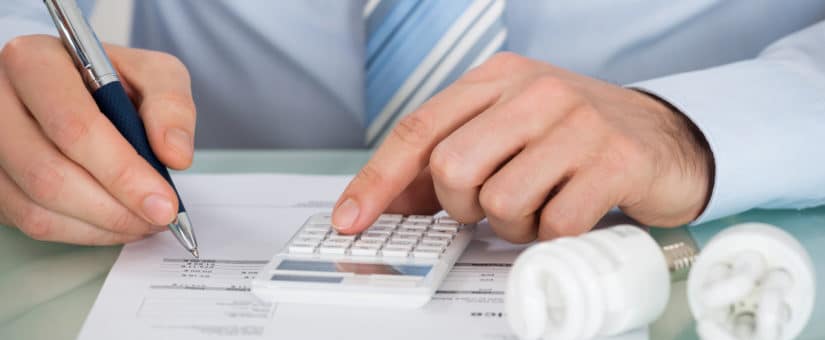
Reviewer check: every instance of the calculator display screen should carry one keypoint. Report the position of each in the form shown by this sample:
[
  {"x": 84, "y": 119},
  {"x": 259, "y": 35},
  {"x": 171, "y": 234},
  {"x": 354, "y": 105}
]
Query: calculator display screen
[{"x": 355, "y": 268}]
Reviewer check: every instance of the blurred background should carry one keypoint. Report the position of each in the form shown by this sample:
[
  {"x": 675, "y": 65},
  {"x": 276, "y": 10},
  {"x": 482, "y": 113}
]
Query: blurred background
[{"x": 112, "y": 20}]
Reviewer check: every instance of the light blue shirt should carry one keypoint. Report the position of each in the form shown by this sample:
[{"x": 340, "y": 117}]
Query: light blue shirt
[{"x": 291, "y": 73}]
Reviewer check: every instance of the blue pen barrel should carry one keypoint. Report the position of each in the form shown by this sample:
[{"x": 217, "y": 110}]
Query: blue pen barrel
[{"x": 116, "y": 105}]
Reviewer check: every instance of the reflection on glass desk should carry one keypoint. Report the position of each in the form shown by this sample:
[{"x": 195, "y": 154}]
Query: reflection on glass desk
[{"x": 47, "y": 289}]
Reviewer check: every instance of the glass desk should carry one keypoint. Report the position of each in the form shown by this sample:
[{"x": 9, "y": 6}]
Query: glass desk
[{"x": 47, "y": 289}]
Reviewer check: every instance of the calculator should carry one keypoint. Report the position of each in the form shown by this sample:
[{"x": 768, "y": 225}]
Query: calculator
[{"x": 399, "y": 261}]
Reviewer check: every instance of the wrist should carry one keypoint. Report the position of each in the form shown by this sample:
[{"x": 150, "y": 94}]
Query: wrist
[{"x": 690, "y": 159}]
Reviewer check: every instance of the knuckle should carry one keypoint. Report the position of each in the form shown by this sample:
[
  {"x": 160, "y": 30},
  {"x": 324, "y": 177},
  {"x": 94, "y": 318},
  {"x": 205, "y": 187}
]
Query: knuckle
[
  {"x": 586, "y": 114},
  {"x": 165, "y": 60},
  {"x": 179, "y": 103},
  {"x": 499, "y": 63},
  {"x": 19, "y": 52},
  {"x": 121, "y": 222},
  {"x": 123, "y": 175},
  {"x": 413, "y": 130},
  {"x": 448, "y": 168},
  {"x": 476, "y": 75},
  {"x": 497, "y": 204},
  {"x": 548, "y": 84},
  {"x": 162, "y": 64},
  {"x": 13, "y": 50},
  {"x": 552, "y": 223},
  {"x": 563, "y": 95},
  {"x": 35, "y": 222},
  {"x": 43, "y": 181},
  {"x": 506, "y": 60},
  {"x": 66, "y": 128},
  {"x": 588, "y": 120}
]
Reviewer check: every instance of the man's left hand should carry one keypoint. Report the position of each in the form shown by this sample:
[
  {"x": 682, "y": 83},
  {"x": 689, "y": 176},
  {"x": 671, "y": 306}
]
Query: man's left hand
[{"x": 539, "y": 151}]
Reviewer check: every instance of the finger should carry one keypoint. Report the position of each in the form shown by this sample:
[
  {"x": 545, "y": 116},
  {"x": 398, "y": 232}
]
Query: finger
[
  {"x": 406, "y": 151},
  {"x": 53, "y": 181},
  {"x": 162, "y": 88},
  {"x": 513, "y": 197},
  {"x": 44, "y": 225},
  {"x": 579, "y": 205},
  {"x": 464, "y": 160},
  {"x": 54, "y": 93},
  {"x": 418, "y": 198}
]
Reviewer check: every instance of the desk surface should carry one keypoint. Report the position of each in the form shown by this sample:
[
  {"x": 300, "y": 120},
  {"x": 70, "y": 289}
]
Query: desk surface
[{"x": 47, "y": 289}]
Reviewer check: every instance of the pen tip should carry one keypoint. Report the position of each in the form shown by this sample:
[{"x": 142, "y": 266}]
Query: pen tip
[{"x": 195, "y": 253}]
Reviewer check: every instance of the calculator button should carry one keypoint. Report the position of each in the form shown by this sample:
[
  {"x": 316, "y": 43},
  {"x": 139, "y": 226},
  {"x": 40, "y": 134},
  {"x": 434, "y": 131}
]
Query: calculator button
[
  {"x": 446, "y": 220},
  {"x": 301, "y": 249},
  {"x": 320, "y": 219},
  {"x": 435, "y": 241},
  {"x": 306, "y": 240},
  {"x": 395, "y": 251},
  {"x": 419, "y": 218},
  {"x": 448, "y": 228},
  {"x": 386, "y": 229},
  {"x": 414, "y": 225},
  {"x": 336, "y": 242},
  {"x": 427, "y": 253},
  {"x": 369, "y": 243},
  {"x": 333, "y": 250},
  {"x": 430, "y": 247},
  {"x": 313, "y": 233},
  {"x": 397, "y": 237},
  {"x": 357, "y": 250},
  {"x": 381, "y": 237},
  {"x": 401, "y": 242},
  {"x": 408, "y": 232},
  {"x": 337, "y": 236},
  {"x": 318, "y": 227},
  {"x": 393, "y": 218},
  {"x": 442, "y": 234}
]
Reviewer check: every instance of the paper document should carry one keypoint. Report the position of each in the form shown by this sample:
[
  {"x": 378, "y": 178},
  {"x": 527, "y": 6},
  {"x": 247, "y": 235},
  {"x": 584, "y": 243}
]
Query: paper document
[{"x": 157, "y": 291}]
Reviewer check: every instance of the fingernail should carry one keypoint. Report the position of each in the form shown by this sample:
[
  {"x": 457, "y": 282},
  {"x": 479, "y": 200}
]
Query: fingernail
[
  {"x": 345, "y": 215},
  {"x": 158, "y": 209},
  {"x": 180, "y": 140}
]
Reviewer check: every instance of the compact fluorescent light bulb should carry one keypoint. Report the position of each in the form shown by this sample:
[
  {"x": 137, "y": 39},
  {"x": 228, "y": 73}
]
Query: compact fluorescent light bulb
[
  {"x": 601, "y": 283},
  {"x": 751, "y": 281}
]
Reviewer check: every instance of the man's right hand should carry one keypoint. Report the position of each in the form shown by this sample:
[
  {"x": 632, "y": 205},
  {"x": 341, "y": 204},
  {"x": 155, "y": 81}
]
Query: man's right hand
[{"x": 66, "y": 174}]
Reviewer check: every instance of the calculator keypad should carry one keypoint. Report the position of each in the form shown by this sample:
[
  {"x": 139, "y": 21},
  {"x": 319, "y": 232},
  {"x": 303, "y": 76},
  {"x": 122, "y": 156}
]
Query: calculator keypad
[{"x": 391, "y": 236}]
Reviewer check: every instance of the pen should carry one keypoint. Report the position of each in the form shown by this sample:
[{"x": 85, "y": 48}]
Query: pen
[{"x": 103, "y": 82}]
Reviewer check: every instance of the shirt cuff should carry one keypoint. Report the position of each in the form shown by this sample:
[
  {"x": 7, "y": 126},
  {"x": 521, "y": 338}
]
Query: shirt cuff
[{"x": 763, "y": 122}]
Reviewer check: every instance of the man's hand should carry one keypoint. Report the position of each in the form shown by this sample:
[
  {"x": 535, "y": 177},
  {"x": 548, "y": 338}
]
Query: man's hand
[
  {"x": 538, "y": 151},
  {"x": 66, "y": 174}
]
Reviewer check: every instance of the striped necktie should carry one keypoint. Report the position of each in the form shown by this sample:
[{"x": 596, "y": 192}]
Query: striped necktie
[{"x": 415, "y": 48}]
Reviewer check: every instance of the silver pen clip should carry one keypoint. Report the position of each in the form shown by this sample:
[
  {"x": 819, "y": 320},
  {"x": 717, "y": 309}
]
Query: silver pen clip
[{"x": 77, "y": 34}]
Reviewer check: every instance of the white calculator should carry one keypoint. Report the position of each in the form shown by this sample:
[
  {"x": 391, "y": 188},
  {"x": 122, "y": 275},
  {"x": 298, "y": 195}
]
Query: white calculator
[{"x": 399, "y": 261}]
